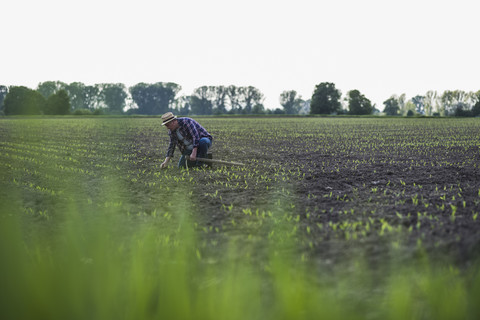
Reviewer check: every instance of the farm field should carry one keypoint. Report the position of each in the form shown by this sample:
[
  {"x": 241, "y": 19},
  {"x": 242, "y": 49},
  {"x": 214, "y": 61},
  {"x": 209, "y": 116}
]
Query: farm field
[{"x": 330, "y": 217}]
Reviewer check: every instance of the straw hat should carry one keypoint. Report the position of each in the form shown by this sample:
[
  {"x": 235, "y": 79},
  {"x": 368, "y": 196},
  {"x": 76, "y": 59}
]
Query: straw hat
[{"x": 167, "y": 117}]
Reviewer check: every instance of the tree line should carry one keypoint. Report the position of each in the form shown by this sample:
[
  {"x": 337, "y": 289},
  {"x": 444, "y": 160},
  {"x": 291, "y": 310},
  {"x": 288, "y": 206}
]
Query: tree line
[
  {"x": 56, "y": 97},
  {"x": 326, "y": 99},
  {"x": 116, "y": 98},
  {"x": 448, "y": 103}
]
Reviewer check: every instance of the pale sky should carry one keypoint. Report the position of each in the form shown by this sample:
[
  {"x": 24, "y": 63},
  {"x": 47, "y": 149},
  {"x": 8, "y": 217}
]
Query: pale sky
[{"x": 378, "y": 47}]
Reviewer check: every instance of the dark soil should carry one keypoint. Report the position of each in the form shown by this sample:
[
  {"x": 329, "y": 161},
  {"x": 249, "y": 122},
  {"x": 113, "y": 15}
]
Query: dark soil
[
  {"x": 440, "y": 233},
  {"x": 416, "y": 199}
]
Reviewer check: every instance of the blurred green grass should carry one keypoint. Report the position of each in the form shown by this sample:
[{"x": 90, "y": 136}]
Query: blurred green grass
[{"x": 88, "y": 270}]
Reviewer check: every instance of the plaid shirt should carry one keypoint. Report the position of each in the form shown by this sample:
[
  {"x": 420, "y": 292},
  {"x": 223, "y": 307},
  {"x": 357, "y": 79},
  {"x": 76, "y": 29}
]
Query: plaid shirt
[{"x": 190, "y": 130}]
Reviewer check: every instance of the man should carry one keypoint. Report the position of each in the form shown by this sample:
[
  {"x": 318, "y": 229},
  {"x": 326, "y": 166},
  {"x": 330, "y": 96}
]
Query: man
[{"x": 191, "y": 138}]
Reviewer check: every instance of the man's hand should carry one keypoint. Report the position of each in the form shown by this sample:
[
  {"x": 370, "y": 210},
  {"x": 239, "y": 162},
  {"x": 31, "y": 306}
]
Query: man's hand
[
  {"x": 193, "y": 155},
  {"x": 165, "y": 163}
]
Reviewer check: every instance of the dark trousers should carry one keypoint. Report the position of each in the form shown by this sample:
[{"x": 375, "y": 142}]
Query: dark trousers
[{"x": 202, "y": 150}]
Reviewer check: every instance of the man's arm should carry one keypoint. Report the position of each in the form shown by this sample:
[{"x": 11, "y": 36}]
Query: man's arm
[
  {"x": 170, "y": 150},
  {"x": 193, "y": 155}
]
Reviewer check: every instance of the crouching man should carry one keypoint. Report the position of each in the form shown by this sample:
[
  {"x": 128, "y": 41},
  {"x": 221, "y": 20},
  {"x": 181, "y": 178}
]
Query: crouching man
[{"x": 191, "y": 138}]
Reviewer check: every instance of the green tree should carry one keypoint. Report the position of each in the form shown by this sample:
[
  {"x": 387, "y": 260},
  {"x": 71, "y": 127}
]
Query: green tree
[
  {"x": 358, "y": 104},
  {"x": 91, "y": 97},
  {"x": 419, "y": 102},
  {"x": 325, "y": 99},
  {"x": 58, "y": 103},
  {"x": 81, "y": 96},
  {"x": 48, "y": 88},
  {"x": 447, "y": 101},
  {"x": 391, "y": 106},
  {"x": 233, "y": 94},
  {"x": 251, "y": 96},
  {"x": 430, "y": 101},
  {"x": 258, "y": 109},
  {"x": 76, "y": 92},
  {"x": 410, "y": 108},
  {"x": 291, "y": 102},
  {"x": 456, "y": 100},
  {"x": 402, "y": 100},
  {"x": 156, "y": 98},
  {"x": 305, "y": 107},
  {"x": 476, "y": 106},
  {"x": 113, "y": 95},
  {"x": 23, "y": 101},
  {"x": 181, "y": 105},
  {"x": 471, "y": 99},
  {"x": 202, "y": 101},
  {"x": 220, "y": 99},
  {"x": 462, "y": 110},
  {"x": 3, "y": 94}
]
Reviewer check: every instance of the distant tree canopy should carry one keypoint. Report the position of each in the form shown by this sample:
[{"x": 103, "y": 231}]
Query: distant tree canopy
[
  {"x": 3, "y": 94},
  {"x": 113, "y": 95},
  {"x": 430, "y": 102},
  {"x": 48, "y": 88},
  {"x": 419, "y": 102},
  {"x": 201, "y": 101},
  {"x": 291, "y": 102},
  {"x": 251, "y": 97},
  {"x": 451, "y": 101},
  {"x": 160, "y": 97},
  {"x": 155, "y": 98},
  {"x": 358, "y": 104},
  {"x": 233, "y": 94},
  {"x": 23, "y": 101},
  {"x": 391, "y": 106},
  {"x": 81, "y": 96},
  {"x": 58, "y": 103},
  {"x": 258, "y": 109},
  {"x": 476, "y": 106},
  {"x": 325, "y": 99},
  {"x": 219, "y": 100},
  {"x": 215, "y": 100}
]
